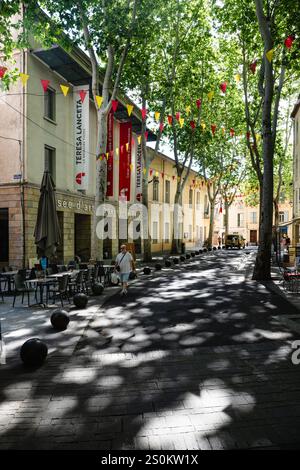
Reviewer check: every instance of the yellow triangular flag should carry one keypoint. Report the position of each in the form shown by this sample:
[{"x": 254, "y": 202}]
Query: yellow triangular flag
[
  {"x": 188, "y": 109},
  {"x": 127, "y": 147},
  {"x": 64, "y": 89},
  {"x": 131, "y": 166},
  {"x": 203, "y": 125},
  {"x": 24, "y": 77},
  {"x": 157, "y": 116},
  {"x": 129, "y": 109},
  {"x": 139, "y": 139},
  {"x": 117, "y": 151},
  {"x": 107, "y": 155},
  {"x": 237, "y": 77},
  {"x": 269, "y": 55},
  {"x": 157, "y": 174},
  {"x": 210, "y": 95},
  {"x": 181, "y": 122},
  {"x": 144, "y": 171},
  {"x": 99, "y": 100},
  {"x": 258, "y": 137}
]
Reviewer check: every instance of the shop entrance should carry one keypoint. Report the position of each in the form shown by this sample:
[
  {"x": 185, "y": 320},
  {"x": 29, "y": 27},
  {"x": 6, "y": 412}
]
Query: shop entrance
[
  {"x": 60, "y": 248},
  {"x": 83, "y": 237},
  {"x": 253, "y": 237},
  {"x": 4, "y": 237}
]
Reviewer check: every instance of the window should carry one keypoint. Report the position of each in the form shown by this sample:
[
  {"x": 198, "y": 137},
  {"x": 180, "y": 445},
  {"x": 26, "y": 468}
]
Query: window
[
  {"x": 206, "y": 206},
  {"x": 49, "y": 104},
  {"x": 240, "y": 220},
  {"x": 253, "y": 217},
  {"x": 155, "y": 232},
  {"x": 167, "y": 232},
  {"x": 191, "y": 198},
  {"x": 50, "y": 161},
  {"x": 198, "y": 200},
  {"x": 155, "y": 188},
  {"x": 167, "y": 193},
  {"x": 283, "y": 216}
]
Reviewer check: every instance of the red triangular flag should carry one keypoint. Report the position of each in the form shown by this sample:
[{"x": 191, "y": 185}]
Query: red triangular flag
[
  {"x": 198, "y": 103},
  {"x": 150, "y": 172},
  {"x": 132, "y": 141},
  {"x": 253, "y": 66},
  {"x": 173, "y": 177},
  {"x": 45, "y": 84},
  {"x": 161, "y": 126},
  {"x": 213, "y": 128},
  {"x": 177, "y": 116},
  {"x": 2, "y": 71},
  {"x": 122, "y": 148},
  {"x": 82, "y": 94},
  {"x": 232, "y": 132},
  {"x": 221, "y": 210},
  {"x": 146, "y": 135},
  {"x": 114, "y": 105},
  {"x": 192, "y": 124},
  {"x": 194, "y": 181},
  {"x": 289, "y": 41},
  {"x": 248, "y": 135},
  {"x": 162, "y": 175},
  {"x": 223, "y": 87},
  {"x": 144, "y": 113},
  {"x": 170, "y": 119}
]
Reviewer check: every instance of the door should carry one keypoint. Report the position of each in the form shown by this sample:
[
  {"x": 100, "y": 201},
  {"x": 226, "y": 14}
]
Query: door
[
  {"x": 4, "y": 236},
  {"x": 253, "y": 236}
]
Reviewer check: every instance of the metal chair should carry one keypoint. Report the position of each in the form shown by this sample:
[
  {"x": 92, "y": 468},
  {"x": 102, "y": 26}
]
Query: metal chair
[
  {"x": 60, "y": 288},
  {"x": 76, "y": 285},
  {"x": 22, "y": 288}
]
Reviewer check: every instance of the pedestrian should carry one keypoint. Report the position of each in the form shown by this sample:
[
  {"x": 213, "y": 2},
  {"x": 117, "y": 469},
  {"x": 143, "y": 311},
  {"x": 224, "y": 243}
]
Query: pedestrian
[
  {"x": 124, "y": 265},
  {"x": 288, "y": 242},
  {"x": 220, "y": 241}
]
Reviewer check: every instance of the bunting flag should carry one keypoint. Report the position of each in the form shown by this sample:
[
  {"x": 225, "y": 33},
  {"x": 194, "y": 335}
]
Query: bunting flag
[
  {"x": 188, "y": 110},
  {"x": 192, "y": 124},
  {"x": 129, "y": 109},
  {"x": 122, "y": 148},
  {"x": 181, "y": 122},
  {"x": 223, "y": 87},
  {"x": 45, "y": 84},
  {"x": 150, "y": 172},
  {"x": 237, "y": 77},
  {"x": 289, "y": 41},
  {"x": 253, "y": 66},
  {"x": 24, "y": 77},
  {"x": 107, "y": 155},
  {"x": 144, "y": 113},
  {"x": 156, "y": 173},
  {"x": 157, "y": 116},
  {"x": 198, "y": 103},
  {"x": 131, "y": 166},
  {"x": 2, "y": 71},
  {"x": 203, "y": 125},
  {"x": 173, "y": 177},
  {"x": 161, "y": 127},
  {"x": 114, "y": 105},
  {"x": 139, "y": 139},
  {"x": 231, "y": 132},
  {"x": 210, "y": 95},
  {"x": 117, "y": 151},
  {"x": 170, "y": 119},
  {"x": 269, "y": 55},
  {"x": 64, "y": 89},
  {"x": 213, "y": 128},
  {"x": 82, "y": 94},
  {"x": 177, "y": 116},
  {"x": 162, "y": 175},
  {"x": 127, "y": 147},
  {"x": 258, "y": 137},
  {"x": 248, "y": 136},
  {"x": 99, "y": 101},
  {"x": 223, "y": 130},
  {"x": 144, "y": 171},
  {"x": 146, "y": 135},
  {"x": 132, "y": 141},
  {"x": 221, "y": 210}
]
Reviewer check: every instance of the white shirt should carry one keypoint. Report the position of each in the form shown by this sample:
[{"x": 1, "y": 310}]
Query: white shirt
[{"x": 125, "y": 264}]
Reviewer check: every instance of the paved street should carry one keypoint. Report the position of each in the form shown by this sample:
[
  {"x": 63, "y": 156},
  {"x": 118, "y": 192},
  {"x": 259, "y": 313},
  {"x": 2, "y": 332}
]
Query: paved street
[{"x": 193, "y": 358}]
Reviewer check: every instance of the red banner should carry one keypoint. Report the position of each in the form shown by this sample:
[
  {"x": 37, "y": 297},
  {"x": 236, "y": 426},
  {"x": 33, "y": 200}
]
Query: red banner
[
  {"x": 125, "y": 159},
  {"x": 110, "y": 150}
]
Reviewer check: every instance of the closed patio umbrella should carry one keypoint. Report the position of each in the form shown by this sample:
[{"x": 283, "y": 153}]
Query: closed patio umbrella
[{"x": 47, "y": 232}]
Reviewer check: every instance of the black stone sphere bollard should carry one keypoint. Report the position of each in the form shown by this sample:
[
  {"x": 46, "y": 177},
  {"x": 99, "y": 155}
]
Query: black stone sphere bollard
[
  {"x": 33, "y": 352},
  {"x": 204, "y": 250},
  {"x": 175, "y": 260},
  {"x": 219, "y": 248},
  {"x": 97, "y": 288},
  {"x": 80, "y": 300},
  {"x": 200, "y": 252},
  {"x": 193, "y": 254},
  {"x": 182, "y": 258},
  {"x": 209, "y": 249},
  {"x": 147, "y": 270},
  {"x": 214, "y": 248},
  {"x": 168, "y": 263},
  {"x": 60, "y": 320},
  {"x": 158, "y": 266},
  {"x": 188, "y": 256}
]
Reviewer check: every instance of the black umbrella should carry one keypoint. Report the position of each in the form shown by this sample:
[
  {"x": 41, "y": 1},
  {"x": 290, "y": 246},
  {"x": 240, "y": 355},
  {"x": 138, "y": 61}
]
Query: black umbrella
[{"x": 47, "y": 232}]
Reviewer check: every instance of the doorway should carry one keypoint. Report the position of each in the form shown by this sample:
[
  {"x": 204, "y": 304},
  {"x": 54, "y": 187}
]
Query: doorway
[
  {"x": 253, "y": 237},
  {"x": 4, "y": 236},
  {"x": 60, "y": 248},
  {"x": 82, "y": 237}
]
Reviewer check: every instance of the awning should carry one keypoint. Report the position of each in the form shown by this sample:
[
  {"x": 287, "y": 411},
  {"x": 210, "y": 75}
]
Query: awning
[{"x": 77, "y": 72}]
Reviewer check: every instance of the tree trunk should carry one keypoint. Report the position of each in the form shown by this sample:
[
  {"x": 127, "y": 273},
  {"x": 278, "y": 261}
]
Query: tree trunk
[
  {"x": 101, "y": 183},
  {"x": 147, "y": 255},
  {"x": 211, "y": 225},
  {"x": 176, "y": 241},
  {"x": 226, "y": 217}
]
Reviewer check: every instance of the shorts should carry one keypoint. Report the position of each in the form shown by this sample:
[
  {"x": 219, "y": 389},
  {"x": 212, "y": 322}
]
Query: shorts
[{"x": 124, "y": 277}]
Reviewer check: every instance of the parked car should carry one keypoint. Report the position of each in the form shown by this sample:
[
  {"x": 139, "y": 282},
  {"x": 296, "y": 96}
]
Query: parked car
[{"x": 234, "y": 241}]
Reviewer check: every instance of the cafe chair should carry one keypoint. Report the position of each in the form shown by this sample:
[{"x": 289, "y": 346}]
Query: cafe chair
[{"x": 22, "y": 288}]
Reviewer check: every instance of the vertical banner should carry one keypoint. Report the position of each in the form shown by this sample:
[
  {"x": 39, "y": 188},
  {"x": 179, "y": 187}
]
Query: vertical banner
[
  {"x": 125, "y": 159},
  {"x": 81, "y": 126},
  {"x": 139, "y": 174},
  {"x": 110, "y": 150}
]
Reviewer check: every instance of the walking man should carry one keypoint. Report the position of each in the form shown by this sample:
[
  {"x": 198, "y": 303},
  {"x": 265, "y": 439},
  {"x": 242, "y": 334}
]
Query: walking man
[{"x": 124, "y": 264}]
